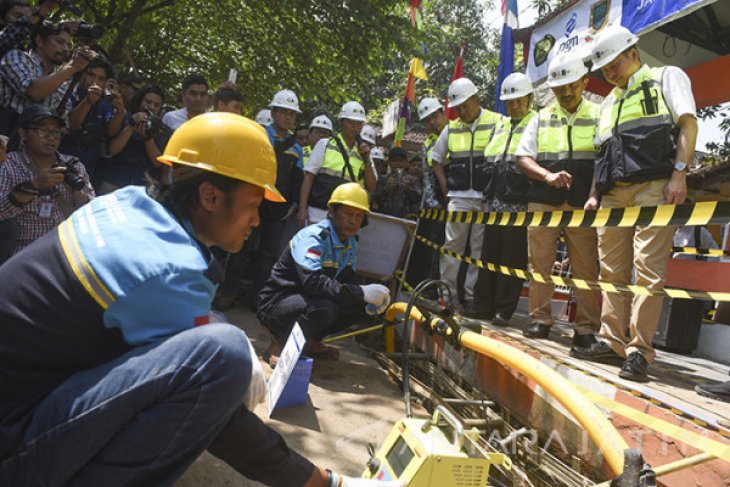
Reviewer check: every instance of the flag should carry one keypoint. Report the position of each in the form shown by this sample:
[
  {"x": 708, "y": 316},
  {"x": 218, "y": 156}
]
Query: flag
[
  {"x": 458, "y": 73},
  {"x": 417, "y": 69},
  {"x": 414, "y": 7},
  {"x": 506, "y": 50}
]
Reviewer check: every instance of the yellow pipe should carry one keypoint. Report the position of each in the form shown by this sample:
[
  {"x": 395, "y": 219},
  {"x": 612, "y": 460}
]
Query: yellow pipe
[{"x": 601, "y": 431}]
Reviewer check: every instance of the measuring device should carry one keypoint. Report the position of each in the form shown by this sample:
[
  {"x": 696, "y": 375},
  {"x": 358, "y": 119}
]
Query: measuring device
[{"x": 433, "y": 452}]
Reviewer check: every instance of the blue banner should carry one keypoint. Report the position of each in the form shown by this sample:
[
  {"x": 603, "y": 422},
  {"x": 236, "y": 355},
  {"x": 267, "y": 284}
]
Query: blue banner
[{"x": 640, "y": 14}]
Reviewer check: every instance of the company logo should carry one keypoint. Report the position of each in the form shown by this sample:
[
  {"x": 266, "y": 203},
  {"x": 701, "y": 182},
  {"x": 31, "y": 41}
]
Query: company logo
[
  {"x": 645, "y": 4},
  {"x": 570, "y": 26}
]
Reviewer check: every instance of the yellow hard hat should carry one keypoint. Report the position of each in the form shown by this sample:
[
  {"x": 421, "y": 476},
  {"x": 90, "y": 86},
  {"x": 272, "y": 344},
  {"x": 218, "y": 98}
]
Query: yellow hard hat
[
  {"x": 226, "y": 144},
  {"x": 350, "y": 194}
]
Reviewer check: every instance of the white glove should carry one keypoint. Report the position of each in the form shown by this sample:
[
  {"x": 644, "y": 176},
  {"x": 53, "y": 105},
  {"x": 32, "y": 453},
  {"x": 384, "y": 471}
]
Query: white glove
[
  {"x": 376, "y": 294},
  {"x": 256, "y": 392}
]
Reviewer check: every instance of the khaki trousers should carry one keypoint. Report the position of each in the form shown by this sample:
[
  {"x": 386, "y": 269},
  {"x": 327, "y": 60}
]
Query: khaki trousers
[
  {"x": 643, "y": 252},
  {"x": 456, "y": 238},
  {"x": 582, "y": 245}
]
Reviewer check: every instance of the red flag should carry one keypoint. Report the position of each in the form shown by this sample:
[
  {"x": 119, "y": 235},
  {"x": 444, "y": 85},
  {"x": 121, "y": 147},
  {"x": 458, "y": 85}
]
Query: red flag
[{"x": 458, "y": 73}]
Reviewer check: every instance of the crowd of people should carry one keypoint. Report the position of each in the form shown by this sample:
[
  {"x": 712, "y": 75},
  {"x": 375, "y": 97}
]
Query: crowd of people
[{"x": 205, "y": 197}]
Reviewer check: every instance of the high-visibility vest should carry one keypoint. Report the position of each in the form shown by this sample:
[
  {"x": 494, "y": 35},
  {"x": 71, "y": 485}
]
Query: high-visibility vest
[
  {"x": 334, "y": 162},
  {"x": 428, "y": 147},
  {"x": 565, "y": 146},
  {"x": 507, "y": 182},
  {"x": 466, "y": 152},
  {"x": 636, "y": 131},
  {"x": 307, "y": 151}
]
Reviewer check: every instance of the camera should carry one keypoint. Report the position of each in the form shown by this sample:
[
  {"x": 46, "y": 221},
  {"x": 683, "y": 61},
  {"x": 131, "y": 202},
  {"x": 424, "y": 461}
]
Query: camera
[
  {"x": 72, "y": 177},
  {"x": 153, "y": 125},
  {"x": 90, "y": 32}
]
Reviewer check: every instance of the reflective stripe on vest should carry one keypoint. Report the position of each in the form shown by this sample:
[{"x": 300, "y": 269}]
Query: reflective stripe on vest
[
  {"x": 629, "y": 112},
  {"x": 497, "y": 149},
  {"x": 334, "y": 163},
  {"x": 428, "y": 147},
  {"x": 558, "y": 140},
  {"x": 306, "y": 152}
]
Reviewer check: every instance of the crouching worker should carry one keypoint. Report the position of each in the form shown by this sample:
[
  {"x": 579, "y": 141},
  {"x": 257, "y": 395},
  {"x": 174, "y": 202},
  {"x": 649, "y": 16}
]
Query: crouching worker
[
  {"x": 314, "y": 281},
  {"x": 108, "y": 364}
]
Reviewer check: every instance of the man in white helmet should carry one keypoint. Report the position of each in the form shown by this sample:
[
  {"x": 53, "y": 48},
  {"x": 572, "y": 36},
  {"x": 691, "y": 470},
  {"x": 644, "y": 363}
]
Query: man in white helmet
[
  {"x": 506, "y": 192},
  {"x": 424, "y": 261},
  {"x": 641, "y": 163},
  {"x": 460, "y": 146},
  {"x": 335, "y": 160},
  {"x": 320, "y": 128},
  {"x": 557, "y": 154}
]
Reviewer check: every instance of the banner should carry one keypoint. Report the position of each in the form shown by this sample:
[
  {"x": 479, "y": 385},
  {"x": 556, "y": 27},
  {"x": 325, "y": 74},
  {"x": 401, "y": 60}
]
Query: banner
[
  {"x": 572, "y": 29},
  {"x": 648, "y": 13},
  {"x": 390, "y": 118}
]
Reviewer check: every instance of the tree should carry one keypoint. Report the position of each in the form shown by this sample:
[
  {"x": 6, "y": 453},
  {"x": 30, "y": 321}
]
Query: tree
[{"x": 323, "y": 49}]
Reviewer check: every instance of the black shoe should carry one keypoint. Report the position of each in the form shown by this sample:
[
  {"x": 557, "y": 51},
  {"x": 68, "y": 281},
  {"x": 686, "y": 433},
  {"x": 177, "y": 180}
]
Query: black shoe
[
  {"x": 537, "y": 330},
  {"x": 473, "y": 310},
  {"x": 720, "y": 391},
  {"x": 597, "y": 352},
  {"x": 584, "y": 341},
  {"x": 635, "y": 368},
  {"x": 500, "y": 320}
]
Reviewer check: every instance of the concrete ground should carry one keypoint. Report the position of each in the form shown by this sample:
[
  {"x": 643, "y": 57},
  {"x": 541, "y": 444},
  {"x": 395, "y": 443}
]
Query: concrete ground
[{"x": 351, "y": 403}]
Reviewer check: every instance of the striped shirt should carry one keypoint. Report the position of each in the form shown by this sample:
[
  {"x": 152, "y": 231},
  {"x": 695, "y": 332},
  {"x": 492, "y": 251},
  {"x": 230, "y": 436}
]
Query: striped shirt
[
  {"x": 31, "y": 224},
  {"x": 18, "y": 69}
]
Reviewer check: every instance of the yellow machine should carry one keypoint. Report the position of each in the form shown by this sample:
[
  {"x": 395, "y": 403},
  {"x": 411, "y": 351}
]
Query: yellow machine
[{"x": 434, "y": 452}]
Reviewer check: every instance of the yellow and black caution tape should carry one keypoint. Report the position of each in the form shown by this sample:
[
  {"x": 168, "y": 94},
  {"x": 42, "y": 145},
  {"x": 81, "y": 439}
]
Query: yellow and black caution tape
[
  {"x": 581, "y": 283},
  {"x": 701, "y": 251},
  {"x": 399, "y": 277},
  {"x": 703, "y": 213}
]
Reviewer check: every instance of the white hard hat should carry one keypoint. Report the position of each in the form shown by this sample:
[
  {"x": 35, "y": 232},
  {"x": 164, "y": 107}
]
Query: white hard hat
[
  {"x": 609, "y": 43},
  {"x": 565, "y": 69},
  {"x": 264, "y": 117},
  {"x": 461, "y": 90},
  {"x": 367, "y": 133},
  {"x": 427, "y": 107},
  {"x": 376, "y": 153},
  {"x": 514, "y": 86},
  {"x": 286, "y": 99},
  {"x": 352, "y": 110},
  {"x": 323, "y": 122}
]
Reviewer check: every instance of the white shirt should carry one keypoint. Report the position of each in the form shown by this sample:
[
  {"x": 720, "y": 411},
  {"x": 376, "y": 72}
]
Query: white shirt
[
  {"x": 528, "y": 142},
  {"x": 176, "y": 118},
  {"x": 316, "y": 158},
  {"x": 440, "y": 152},
  {"x": 676, "y": 88}
]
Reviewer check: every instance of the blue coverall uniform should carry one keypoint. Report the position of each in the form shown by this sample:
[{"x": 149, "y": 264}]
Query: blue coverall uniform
[
  {"x": 313, "y": 283},
  {"x": 106, "y": 374}
]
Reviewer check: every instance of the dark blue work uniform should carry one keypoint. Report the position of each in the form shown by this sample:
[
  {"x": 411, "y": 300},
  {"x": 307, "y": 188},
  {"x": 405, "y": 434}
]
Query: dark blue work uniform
[
  {"x": 313, "y": 283},
  {"x": 120, "y": 277}
]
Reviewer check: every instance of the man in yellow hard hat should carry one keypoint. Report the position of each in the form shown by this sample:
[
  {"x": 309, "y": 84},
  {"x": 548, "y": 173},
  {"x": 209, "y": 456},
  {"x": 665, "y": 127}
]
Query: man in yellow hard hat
[
  {"x": 314, "y": 283},
  {"x": 103, "y": 358}
]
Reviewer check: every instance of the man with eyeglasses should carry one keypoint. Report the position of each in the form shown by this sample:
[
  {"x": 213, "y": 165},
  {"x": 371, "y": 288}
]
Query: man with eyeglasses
[{"x": 40, "y": 187}]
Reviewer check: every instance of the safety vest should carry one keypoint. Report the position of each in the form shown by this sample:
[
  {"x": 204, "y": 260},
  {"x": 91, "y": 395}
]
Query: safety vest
[
  {"x": 334, "y": 162},
  {"x": 466, "y": 151},
  {"x": 306, "y": 152},
  {"x": 564, "y": 146},
  {"x": 428, "y": 147},
  {"x": 636, "y": 131},
  {"x": 507, "y": 183},
  {"x": 333, "y": 172}
]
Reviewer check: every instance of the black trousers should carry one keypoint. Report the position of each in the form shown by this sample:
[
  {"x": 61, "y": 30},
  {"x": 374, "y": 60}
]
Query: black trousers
[
  {"x": 424, "y": 263},
  {"x": 318, "y": 317},
  {"x": 8, "y": 238},
  {"x": 496, "y": 292}
]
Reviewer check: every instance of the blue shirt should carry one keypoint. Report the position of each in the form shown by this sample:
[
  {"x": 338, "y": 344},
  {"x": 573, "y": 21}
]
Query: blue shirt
[
  {"x": 295, "y": 150},
  {"x": 318, "y": 247}
]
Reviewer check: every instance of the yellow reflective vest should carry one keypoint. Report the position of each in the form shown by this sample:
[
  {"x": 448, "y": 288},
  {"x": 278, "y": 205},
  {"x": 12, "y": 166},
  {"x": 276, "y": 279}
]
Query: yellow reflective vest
[
  {"x": 466, "y": 152},
  {"x": 636, "y": 131},
  {"x": 334, "y": 171},
  {"x": 507, "y": 183},
  {"x": 566, "y": 146}
]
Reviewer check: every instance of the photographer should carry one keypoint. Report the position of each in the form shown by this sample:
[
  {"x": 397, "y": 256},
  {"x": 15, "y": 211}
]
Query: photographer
[
  {"x": 40, "y": 75},
  {"x": 40, "y": 187},
  {"x": 17, "y": 20},
  {"x": 399, "y": 193},
  {"x": 134, "y": 150},
  {"x": 97, "y": 113}
]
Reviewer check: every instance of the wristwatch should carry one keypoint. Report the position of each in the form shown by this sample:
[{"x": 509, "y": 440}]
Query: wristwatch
[{"x": 680, "y": 166}]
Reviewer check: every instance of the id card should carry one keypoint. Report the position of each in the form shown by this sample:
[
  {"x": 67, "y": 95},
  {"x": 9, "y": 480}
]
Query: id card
[{"x": 46, "y": 209}]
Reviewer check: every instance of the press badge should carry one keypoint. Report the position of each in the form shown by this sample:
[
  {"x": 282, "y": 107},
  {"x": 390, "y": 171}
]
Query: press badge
[{"x": 46, "y": 209}]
